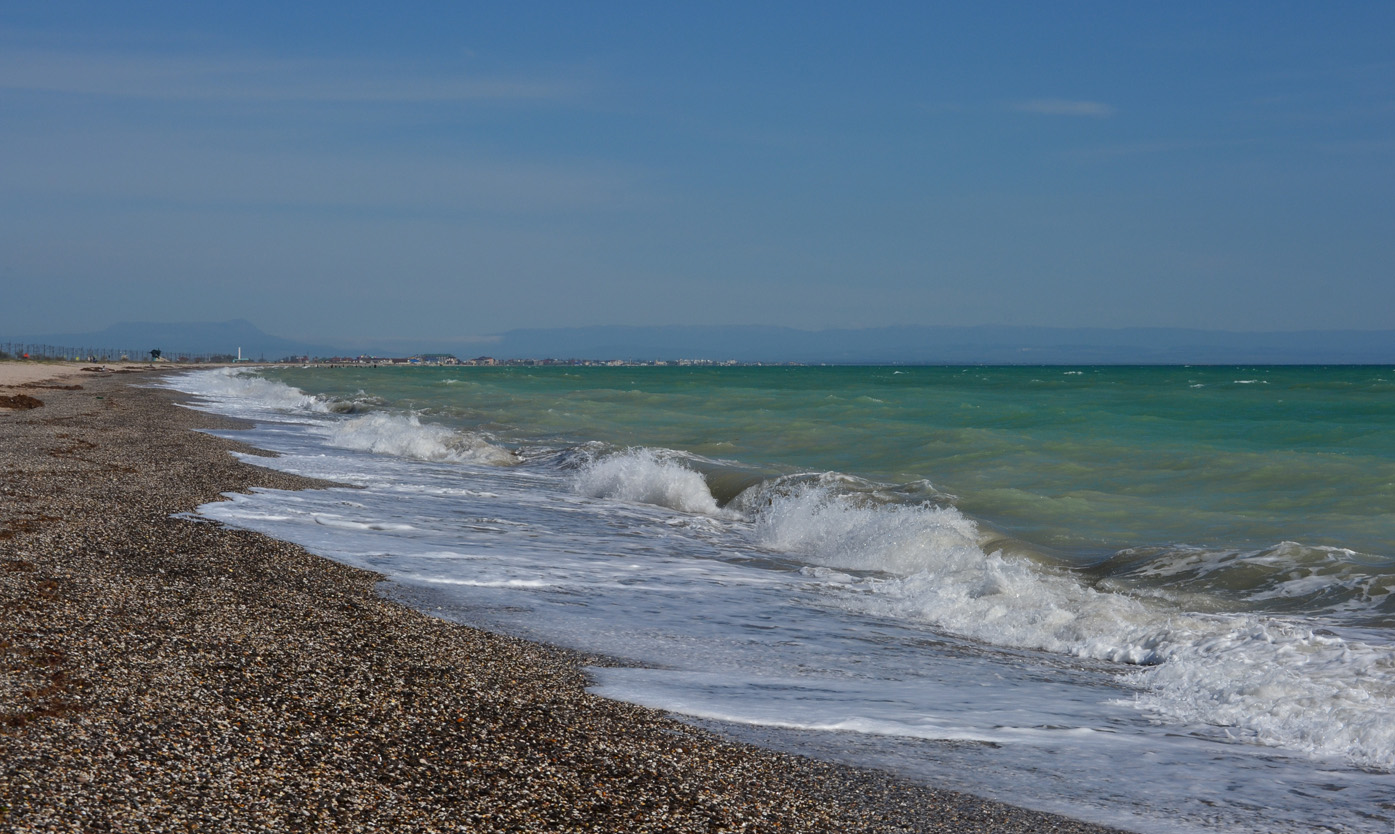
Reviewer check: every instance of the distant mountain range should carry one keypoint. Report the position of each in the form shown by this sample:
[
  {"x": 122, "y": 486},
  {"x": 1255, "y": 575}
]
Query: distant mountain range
[
  {"x": 192, "y": 338},
  {"x": 879, "y": 345}
]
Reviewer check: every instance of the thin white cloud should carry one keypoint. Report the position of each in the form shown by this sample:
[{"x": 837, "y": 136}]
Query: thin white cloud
[
  {"x": 1064, "y": 107},
  {"x": 214, "y": 78}
]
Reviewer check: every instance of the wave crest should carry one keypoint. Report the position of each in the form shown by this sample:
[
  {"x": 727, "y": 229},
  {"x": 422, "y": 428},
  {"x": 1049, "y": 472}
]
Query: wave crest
[
  {"x": 1263, "y": 678},
  {"x": 646, "y": 476},
  {"x": 241, "y": 384},
  {"x": 839, "y": 521},
  {"x": 406, "y": 436}
]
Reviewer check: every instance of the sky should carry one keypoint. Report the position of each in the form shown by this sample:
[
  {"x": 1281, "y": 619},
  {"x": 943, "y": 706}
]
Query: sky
[{"x": 332, "y": 171}]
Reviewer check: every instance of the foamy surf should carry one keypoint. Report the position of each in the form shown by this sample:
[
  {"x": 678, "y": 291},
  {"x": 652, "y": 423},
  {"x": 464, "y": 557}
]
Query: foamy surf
[
  {"x": 646, "y": 476},
  {"x": 1265, "y": 680},
  {"x": 383, "y": 432},
  {"x": 404, "y": 435},
  {"x": 1271, "y": 681},
  {"x": 1167, "y": 688},
  {"x": 238, "y": 389}
]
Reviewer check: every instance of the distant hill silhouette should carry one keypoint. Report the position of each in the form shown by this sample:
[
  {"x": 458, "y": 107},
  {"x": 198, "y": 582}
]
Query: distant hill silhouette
[{"x": 172, "y": 339}]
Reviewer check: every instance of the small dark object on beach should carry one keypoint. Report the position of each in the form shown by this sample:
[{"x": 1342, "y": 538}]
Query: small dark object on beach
[{"x": 20, "y": 402}]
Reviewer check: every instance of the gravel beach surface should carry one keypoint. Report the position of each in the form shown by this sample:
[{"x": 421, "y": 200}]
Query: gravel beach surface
[{"x": 160, "y": 673}]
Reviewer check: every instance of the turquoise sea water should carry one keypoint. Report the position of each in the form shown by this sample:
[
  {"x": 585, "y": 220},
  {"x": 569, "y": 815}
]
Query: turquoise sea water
[
  {"x": 1083, "y": 462},
  {"x": 1158, "y": 597}
]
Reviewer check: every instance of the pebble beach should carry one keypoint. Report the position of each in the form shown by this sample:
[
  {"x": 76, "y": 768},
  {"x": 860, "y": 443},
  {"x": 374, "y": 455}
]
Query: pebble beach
[{"x": 162, "y": 673}]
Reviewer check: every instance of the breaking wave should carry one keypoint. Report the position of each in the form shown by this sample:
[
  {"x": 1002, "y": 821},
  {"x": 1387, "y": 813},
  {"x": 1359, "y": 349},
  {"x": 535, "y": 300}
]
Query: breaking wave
[
  {"x": 240, "y": 388},
  {"x": 242, "y": 393},
  {"x": 1263, "y": 678},
  {"x": 404, "y": 435},
  {"x": 646, "y": 476},
  {"x": 1268, "y": 645}
]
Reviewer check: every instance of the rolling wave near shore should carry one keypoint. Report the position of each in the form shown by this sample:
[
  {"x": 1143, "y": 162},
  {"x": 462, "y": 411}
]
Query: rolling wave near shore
[{"x": 1156, "y": 598}]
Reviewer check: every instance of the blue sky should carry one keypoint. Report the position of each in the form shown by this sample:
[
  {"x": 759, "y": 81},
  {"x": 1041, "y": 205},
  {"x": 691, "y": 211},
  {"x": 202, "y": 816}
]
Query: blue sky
[{"x": 455, "y": 170}]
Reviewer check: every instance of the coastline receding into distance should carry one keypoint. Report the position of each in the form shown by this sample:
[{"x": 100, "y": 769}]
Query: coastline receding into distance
[
  {"x": 164, "y": 673},
  {"x": 668, "y": 418}
]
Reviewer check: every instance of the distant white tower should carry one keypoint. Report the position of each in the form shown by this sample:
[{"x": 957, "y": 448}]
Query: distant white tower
[{"x": 239, "y": 354}]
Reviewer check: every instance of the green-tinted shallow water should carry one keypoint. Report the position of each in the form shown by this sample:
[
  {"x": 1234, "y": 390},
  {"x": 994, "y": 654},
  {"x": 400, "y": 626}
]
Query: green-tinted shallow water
[{"x": 1083, "y": 461}]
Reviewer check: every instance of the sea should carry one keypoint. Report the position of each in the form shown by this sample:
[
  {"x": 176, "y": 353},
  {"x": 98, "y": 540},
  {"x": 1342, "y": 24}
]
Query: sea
[{"x": 1153, "y": 597}]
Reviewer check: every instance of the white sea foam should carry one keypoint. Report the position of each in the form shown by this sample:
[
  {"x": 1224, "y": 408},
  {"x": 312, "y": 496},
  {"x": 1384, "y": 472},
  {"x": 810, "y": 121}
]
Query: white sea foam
[
  {"x": 1280, "y": 683},
  {"x": 838, "y": 529},
  {"x": 237, "y": 391},
  {"x": 325, "y": 520},
  {"x": 648, "y": 477},
  {"x": 238, "y": 388},
  {"x": 890, "y": 632},
  {"x": 1275, "y": 683},
  {"x": 940, "y": 573},
  {"x": 404, "y": 435}
]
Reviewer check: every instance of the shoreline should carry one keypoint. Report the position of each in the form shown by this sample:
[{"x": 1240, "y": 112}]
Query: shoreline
[{"x": 164, "y": 672}]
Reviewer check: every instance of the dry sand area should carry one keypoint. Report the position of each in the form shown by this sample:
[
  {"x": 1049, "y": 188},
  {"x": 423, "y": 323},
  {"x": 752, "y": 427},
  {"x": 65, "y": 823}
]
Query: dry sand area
[
  {"x": 21, "y": 381},
  {"x": 160, "y": 673},
  {"x": 20, "y": 373}
]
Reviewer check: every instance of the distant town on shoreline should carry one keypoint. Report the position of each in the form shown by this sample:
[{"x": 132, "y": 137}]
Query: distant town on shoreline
[
  {"x": 57, "y": 353},
  {"x": 239, "y": 340},
  {"x": 444, "y": 359}
]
